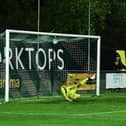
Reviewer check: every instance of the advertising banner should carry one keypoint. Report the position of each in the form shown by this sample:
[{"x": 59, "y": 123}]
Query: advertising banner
[
  {"x": 74, "y": 77},
  {"x": 115, "y": 80}
]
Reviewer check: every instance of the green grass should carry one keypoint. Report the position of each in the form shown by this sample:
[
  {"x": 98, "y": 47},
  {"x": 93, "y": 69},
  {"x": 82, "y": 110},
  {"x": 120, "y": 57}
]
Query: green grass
[{"x": 106, "y": 110}]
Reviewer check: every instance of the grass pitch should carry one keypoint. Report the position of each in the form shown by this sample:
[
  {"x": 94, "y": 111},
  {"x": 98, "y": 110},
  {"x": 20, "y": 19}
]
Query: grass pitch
[{"x": 105, "y": 110}]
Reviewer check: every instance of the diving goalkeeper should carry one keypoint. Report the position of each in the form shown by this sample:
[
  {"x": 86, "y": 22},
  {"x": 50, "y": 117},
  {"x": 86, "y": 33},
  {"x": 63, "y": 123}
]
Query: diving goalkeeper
[{"x": 70, "y": 91}]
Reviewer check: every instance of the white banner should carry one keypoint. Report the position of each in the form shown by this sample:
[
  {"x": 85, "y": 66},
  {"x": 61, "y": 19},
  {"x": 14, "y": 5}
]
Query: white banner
[{"x": 115, "y": 80}]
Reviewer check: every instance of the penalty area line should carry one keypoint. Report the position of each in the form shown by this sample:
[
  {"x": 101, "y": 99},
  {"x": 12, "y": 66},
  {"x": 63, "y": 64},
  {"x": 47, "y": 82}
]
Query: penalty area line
[{"x": 63, "y": 114}]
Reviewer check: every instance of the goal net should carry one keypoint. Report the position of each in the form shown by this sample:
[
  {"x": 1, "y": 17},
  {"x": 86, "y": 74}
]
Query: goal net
[{"x": 37, "y": 63}]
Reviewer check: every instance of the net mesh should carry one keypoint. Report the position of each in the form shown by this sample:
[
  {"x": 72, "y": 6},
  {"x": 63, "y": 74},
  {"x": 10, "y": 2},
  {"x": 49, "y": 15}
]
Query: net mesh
[
  {"x": 38, "y": 66},
  {"x": 2, "y": 64}
]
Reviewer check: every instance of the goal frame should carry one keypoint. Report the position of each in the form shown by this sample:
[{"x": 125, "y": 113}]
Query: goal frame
[{"x": 7, "y": 44}]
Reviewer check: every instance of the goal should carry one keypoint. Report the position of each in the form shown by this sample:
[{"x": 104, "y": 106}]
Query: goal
[{"x": 37, "y": 63}]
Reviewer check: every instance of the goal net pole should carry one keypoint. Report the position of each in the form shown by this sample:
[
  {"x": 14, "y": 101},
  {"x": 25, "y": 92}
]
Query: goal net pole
[
  {"x": 7, "y": 67},
  {"x": 51, "y": 34},
  {"x": 98, "y": 67}
]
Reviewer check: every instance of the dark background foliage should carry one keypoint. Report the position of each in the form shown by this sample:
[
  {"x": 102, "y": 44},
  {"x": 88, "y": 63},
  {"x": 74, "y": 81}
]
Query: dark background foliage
[{"x": 108, "y": 18}]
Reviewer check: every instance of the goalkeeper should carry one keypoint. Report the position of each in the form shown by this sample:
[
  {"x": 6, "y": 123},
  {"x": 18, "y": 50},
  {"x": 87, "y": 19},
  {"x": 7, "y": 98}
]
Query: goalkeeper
[{"x": 70, "y": 91}]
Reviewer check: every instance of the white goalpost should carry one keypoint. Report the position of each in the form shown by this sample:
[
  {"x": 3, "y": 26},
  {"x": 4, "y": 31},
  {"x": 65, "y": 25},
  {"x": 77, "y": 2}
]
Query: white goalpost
[{"x": 58, "y": 55}]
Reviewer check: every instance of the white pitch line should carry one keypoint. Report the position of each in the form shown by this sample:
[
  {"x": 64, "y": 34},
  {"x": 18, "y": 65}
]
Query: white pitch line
[{"x": 62, "y": 114}]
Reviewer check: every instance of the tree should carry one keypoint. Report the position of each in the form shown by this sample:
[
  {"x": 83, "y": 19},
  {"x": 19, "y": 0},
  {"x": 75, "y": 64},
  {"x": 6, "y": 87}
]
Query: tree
[{"x": 115, "y": 27}]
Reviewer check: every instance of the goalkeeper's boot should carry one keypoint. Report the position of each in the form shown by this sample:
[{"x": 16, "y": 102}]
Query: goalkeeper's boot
[{"x": 68, "y": 99}]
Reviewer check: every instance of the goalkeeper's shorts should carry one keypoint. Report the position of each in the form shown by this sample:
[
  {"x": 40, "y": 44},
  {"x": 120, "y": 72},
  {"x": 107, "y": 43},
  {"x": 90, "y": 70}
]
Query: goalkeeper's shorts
[{"x": 69, "y": 93}]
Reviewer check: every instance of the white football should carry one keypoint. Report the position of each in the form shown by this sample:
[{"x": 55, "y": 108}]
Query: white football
[{"x": 55, "y": 41}]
